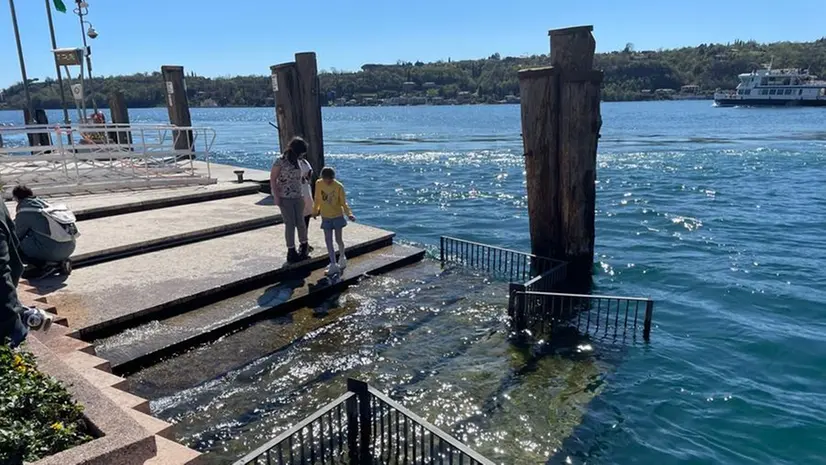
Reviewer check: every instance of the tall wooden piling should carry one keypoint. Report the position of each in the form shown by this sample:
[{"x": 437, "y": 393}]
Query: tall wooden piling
[
  {"x": 177, "y": 104},
  {"x": 40, "y": 118},
  {"x": 119, "y": 115},
  {"x": 298, "y": 105},
  {"x": 560, "y": 127},
  {"x": 309, "y": 90}
]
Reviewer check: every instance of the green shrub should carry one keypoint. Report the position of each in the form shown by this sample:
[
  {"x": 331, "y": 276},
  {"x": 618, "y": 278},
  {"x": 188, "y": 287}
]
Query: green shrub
[{"x": 38, "y": 416}]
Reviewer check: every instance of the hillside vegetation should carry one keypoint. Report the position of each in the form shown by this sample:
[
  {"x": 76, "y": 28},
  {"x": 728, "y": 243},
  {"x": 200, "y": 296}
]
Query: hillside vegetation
[{"x": 627, "y": 74}]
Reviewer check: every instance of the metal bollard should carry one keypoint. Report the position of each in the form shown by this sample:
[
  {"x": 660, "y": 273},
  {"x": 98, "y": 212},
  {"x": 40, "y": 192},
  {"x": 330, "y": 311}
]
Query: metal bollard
[{"x": 240, "y": 174}]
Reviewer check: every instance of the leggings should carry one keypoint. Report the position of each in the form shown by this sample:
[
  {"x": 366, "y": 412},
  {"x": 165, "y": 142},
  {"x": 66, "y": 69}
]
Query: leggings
[
  {"x": 307, "y": 221},
  {"x": 328, "y": 238},
  {"x": 292, "y": 212}
]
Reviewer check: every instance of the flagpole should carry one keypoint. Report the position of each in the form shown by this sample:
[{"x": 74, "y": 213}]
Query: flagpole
[
  {"x": 22, "y": 63},
  {"x": 56, "y": 65}
]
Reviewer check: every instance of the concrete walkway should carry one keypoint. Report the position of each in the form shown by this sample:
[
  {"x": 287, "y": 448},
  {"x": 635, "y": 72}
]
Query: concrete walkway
[{"x": 135, "y": 232}]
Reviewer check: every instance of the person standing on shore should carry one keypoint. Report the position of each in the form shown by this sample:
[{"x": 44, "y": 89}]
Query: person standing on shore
[
  {"x": 331, "y": 203},
  {"x": 287, "y": 194}
]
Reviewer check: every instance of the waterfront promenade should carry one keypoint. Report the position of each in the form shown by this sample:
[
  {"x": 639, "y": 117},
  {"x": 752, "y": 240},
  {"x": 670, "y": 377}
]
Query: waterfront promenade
[{"x": 154, "y": 254}]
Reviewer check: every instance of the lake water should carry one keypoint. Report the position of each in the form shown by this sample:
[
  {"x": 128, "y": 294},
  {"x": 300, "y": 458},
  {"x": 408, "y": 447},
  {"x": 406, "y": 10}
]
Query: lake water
[{"x": 718, "y": 214}]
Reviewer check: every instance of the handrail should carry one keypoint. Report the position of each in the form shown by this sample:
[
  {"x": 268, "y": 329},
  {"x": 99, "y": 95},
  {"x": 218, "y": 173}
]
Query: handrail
[
  {"x": 587, "y": 296},
  {"x": 433, "y": 429},
  {"x": 269, "y": 445},
  {"x": 533, "y": 280},
  {"x": 364, "y": 430}
]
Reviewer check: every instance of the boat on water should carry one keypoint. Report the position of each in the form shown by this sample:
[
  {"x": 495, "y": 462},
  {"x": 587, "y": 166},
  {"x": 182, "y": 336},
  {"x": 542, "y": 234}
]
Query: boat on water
[{"x": 775, "y": 87}]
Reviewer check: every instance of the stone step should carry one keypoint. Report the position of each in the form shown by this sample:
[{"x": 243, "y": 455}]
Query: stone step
[
  {"x": 86, "y": 207},
  {"x": 134, "y": 350},
  {"x": 59, "y": 341},
  {"x": 98, "y": 378},
  {"x": 82, "y": 361},
  {"x": 146, "y": 231},
  {"x": 172, "y": 453},
  {"x": 126, "y": 400},
  {"x": 150, "y": 423},
  {"x": 110, "y": 297}
]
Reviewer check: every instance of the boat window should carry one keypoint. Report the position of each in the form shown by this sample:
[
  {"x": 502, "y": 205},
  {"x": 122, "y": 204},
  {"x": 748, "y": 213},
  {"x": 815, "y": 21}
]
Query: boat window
[
  {"x": 764, "y": 81},
  {"x": 789, "y": 91},
  {"x": 773, "y": 91},
  {"x": 800, "y": 92},
  {"x": 764, "y": 91},
  {"x": 786, "y": 81},
  {"x": 748, "y": 92}
]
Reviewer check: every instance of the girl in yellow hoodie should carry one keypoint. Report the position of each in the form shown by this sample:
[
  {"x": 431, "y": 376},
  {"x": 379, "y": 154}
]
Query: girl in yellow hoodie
[{"x": 331, "y": 203}]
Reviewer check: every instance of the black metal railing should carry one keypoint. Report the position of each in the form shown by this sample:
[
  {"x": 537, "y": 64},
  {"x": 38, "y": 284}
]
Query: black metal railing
[
  {"x": 362, "y": 427},
  {"x": 500, "y": 262},
  {"x": 535, "y": 304},
  {"x": 616, "y": 317}
]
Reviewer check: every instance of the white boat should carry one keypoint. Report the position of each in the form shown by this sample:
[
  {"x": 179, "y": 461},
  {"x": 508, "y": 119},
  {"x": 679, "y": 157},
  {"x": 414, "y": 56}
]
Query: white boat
[{"x": 775, "y": 87}]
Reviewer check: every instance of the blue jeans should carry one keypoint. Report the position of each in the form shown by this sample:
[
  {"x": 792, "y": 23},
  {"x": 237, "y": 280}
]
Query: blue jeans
[{"x": 19, "y": 331}]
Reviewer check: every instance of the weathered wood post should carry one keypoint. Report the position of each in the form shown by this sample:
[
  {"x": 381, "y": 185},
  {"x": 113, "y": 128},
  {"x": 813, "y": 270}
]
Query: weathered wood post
[
  {"x": 310, "y": 92},
  {"x": 560, "y": 125},
  {"x": 298, "y": 105},
  {"x": 120, "y": 115},
  {"x": 178, "y": 105},
  {"x": 40, "y": 118},
  {"x": 287, "y": 102}
]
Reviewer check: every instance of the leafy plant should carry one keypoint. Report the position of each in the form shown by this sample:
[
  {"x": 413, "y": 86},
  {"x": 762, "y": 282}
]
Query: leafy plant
[{"x": 38, "y": 416}]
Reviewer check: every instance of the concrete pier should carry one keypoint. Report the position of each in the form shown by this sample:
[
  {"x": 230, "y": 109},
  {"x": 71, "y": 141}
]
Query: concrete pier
[{"x": 168, "y": 257}]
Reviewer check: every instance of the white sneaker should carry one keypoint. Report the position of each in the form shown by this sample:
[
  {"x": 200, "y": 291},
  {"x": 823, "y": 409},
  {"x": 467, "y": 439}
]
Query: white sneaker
[
  {"x": 342, "y": 261},
  {"x": 36, "y": 319},
  {"x": 333, "y": 269}
]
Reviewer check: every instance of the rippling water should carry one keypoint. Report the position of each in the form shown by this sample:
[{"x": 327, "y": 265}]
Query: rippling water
[{"x": 718, "y": 214}]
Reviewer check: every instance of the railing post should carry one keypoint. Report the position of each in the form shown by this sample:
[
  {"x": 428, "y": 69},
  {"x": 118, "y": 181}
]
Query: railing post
[
  {"x": 649, "y": 310},
  {"x": 442, "y": 250},
  {"x": 361, "y": 389},
  {"x": 515, "y": 305},
  {"x": 352, "y": 430}
]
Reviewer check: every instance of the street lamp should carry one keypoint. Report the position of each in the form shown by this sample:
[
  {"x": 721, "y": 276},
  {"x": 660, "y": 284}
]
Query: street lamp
[
  {"x": 81, "y": 11},
  {"x": 22, "y": 64}
]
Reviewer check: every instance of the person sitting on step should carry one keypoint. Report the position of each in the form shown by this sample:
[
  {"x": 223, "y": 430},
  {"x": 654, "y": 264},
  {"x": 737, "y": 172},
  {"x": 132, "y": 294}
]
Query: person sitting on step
[
  {"x": 47, "y": 234},
  {"x": 15, "y": 318}
]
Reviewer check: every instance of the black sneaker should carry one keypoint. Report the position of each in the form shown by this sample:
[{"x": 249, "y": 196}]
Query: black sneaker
[
  {"x": 304, "y": 251},
  {"x": 292, "y": 256}
]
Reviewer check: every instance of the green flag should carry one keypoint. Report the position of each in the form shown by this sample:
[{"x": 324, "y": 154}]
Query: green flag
[{"x": 59, "y": 6}]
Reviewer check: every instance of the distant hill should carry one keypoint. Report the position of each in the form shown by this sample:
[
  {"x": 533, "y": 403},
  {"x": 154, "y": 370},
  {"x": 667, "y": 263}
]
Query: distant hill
[{"x": 627, "y": 74}]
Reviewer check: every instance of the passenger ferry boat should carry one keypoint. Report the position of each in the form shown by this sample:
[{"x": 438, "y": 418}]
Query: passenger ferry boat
[{"x": 775, "y": 87}]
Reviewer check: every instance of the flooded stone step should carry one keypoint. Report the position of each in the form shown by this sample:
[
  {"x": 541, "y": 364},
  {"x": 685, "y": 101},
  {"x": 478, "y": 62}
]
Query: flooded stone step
[
  {"x": 145, "y": 345},
  {"x": 110, "y": 297},
  {"x": 141, "y": 232},
  {"x": 436, "y": 342}
]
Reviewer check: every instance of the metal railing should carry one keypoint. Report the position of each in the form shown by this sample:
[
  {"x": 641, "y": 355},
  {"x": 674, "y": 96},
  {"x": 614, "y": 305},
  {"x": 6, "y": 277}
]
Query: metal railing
[
  {"x": 362, "y": 427},
  {"x": 105, "y": 153},
  {"x": 500, "y": 262},
  {"x": 542, "y": 313},
  {"x": 535, "y": 306}
]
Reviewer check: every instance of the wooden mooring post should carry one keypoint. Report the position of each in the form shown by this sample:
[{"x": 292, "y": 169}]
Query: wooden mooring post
[
  {"x": 298, "y": 105},
  {"x": 560, "y": 128},
  {"x": 40, "y": 118},
  {"x": 177, "y": 104},
  {"x": 119, "y": 115}
]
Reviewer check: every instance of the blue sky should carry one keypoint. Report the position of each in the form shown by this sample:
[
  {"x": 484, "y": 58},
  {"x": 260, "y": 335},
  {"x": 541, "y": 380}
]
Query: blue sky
[{"x": 247, "y": 36}]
